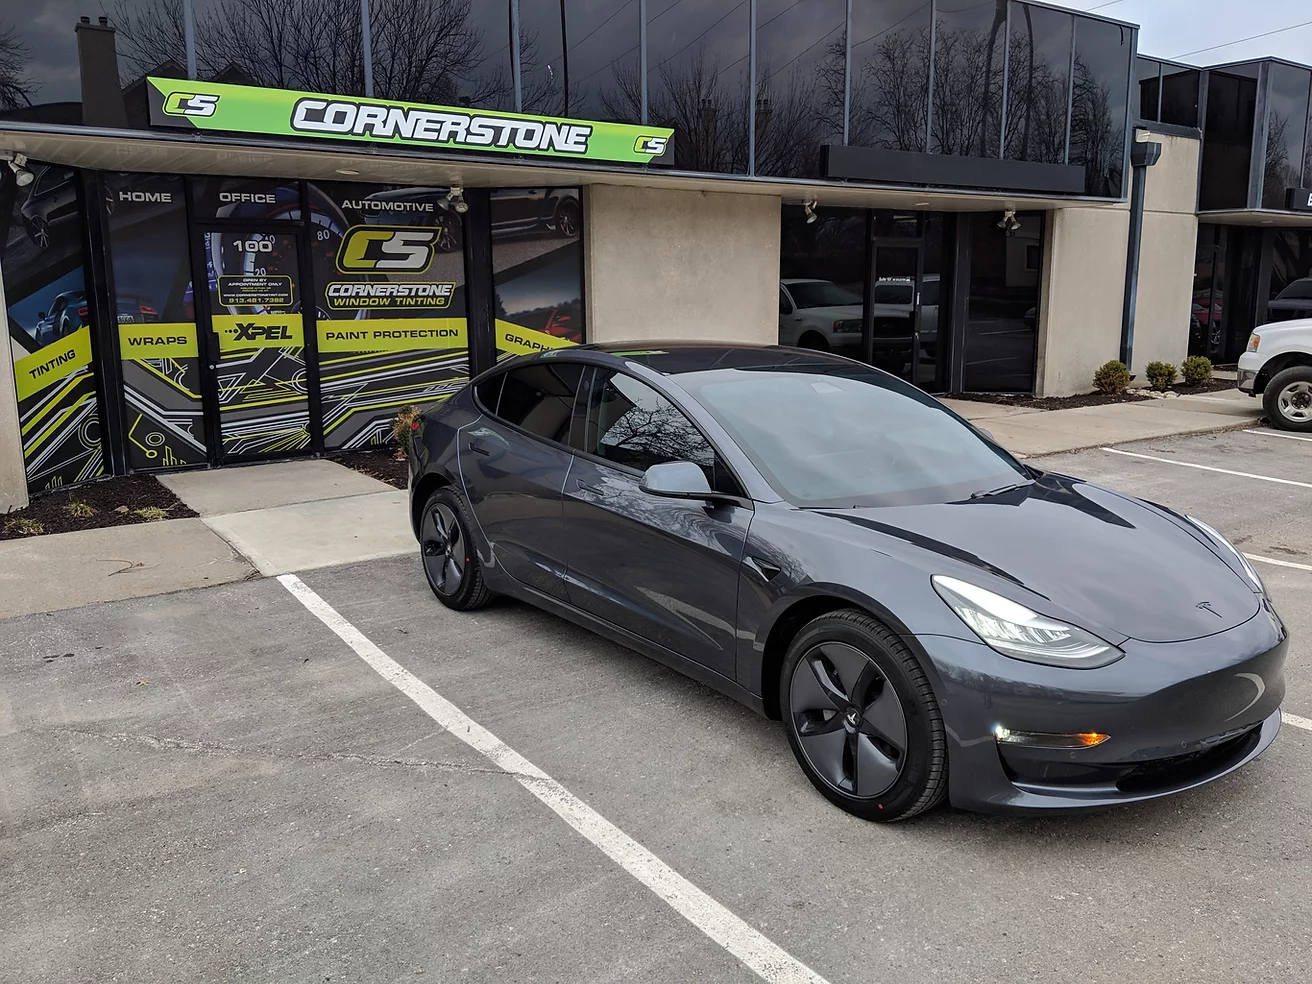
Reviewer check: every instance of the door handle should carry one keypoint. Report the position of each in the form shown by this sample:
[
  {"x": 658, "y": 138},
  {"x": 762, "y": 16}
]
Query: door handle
[
  {"x": 478, "y": 448},
  {"x": 594, "y": 489}
]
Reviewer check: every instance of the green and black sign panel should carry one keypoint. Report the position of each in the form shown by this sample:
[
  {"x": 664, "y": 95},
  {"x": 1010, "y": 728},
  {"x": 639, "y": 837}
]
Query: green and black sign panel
[{"x": 219, "y": 107}]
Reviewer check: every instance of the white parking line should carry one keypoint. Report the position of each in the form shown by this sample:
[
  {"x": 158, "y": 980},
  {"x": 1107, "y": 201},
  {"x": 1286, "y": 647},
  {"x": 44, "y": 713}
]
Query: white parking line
[
  {"x": 1296, "y": 721},
  {"x": 1223, "y": 471},
  {"x": 764, "y": 958},
  {"x": 1271, "y": 433},
  {"x": 1278, "y": 563}
]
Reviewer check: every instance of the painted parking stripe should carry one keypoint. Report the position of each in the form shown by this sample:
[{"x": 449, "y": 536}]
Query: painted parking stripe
[
  {"x": 763, "y": 957},
  {"x": 1296, "y": 721},
  {"x": 1210, "y": 468},
  {"x": 1278, "y": 563},
  {"x": 1271, "y": 433}
]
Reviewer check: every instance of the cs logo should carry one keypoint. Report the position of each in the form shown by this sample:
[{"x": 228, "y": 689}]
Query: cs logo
[
  {"x": 190, "y": 104},
  {"x": 376, "y": 249},
  {"x": 650, "y": 145}
]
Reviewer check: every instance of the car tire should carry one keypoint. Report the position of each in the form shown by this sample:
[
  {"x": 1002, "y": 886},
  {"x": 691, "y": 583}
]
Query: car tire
[
  {"x": 447, "y": 552},
  {"x": 1287, "y": 399},
  {"x": 862, "y": 718},
  {"x": 569, "y": 218},
  {"x": 813, "y": 340}
]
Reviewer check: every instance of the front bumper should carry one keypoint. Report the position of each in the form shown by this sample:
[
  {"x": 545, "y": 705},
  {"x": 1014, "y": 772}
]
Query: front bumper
[
  {"x": 1249, "y": 365},
  {"x": 1179, "y": 715}
]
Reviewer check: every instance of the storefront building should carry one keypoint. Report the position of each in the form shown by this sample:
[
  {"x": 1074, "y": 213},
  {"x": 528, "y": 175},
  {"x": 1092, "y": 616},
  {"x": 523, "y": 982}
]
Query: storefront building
[{"x": 255, "y": 229}]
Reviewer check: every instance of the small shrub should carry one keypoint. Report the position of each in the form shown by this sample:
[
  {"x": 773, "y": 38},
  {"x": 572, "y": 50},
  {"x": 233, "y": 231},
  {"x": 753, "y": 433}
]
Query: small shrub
[
  {"x": 24, "y": 526},
  {"x": 1112, "y": 378},
  {"x": 151, "y": 514},
  {"x": 1160, "y": 375},
  {"x": 80, "y": 510},
  {"x": 1196, "y": 370},
  {"x": 404, "y": 423}
]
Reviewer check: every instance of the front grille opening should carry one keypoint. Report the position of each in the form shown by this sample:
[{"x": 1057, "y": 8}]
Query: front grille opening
[{"x": 1180, "y": 770}]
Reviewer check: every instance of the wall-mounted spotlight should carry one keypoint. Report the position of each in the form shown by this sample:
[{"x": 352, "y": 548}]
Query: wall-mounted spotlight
[
  {"x": 18, "y": 164},
  {"x": 1009, "y": 224},
  {"x": 809, "y": 208},
  {"x": 456, "y": 199}
]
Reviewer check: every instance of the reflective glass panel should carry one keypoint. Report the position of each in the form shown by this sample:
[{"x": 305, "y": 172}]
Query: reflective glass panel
[
  {"x": 800, "y": 52},
  {"x": 1003, "y": 309},
  {"x": 1148, "y": 74},
  {"x": 1098, "y": 105},
  {"x": 1038, "y": 84},
  {"x": 441, "y": 52},
  {"x": 1227, "y": 140},
  {"x": 1180, "y": 95},
  {"x": 1286, "y": 123},
  {"x": 890, "y": 73},
  {"x": 968, "y": 70},
  {"x": 580, "y": 59},
  {"x": 698, "y": 80}
]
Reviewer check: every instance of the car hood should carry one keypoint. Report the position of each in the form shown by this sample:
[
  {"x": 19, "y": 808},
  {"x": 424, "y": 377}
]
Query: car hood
[
  {"x": 836, "y": 312},
  {"x": 1108, "y": 562}
]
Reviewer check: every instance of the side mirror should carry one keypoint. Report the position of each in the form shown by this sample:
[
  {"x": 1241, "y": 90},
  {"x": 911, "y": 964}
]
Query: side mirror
[{"x": 677, "y": 480}]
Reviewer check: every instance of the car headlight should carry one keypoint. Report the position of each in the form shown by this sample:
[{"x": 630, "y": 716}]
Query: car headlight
[
  {"x": 1234, "y": 552},
  {"x": 1254, "y": 340},
  {"x": 1013, "y": 630}
]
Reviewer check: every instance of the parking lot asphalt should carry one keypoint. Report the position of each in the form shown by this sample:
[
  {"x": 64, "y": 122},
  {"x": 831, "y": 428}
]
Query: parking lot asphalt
[{"x": 212, "y": 786}]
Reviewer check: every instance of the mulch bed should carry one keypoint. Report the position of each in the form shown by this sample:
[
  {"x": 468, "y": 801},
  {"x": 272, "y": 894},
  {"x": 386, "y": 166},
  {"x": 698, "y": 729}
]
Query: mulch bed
[
  {"x": 1088, "y": 399},
  {"x": 115, "y": 502},
  {"x": 386, "y": 464}
]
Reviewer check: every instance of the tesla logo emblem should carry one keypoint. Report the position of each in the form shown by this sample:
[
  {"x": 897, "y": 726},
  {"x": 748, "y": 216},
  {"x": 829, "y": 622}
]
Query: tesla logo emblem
[
  {"x": 1257, "y": 682},
  {"x": 1207, "y": 607},
  {"x": 250, "y": 332}
]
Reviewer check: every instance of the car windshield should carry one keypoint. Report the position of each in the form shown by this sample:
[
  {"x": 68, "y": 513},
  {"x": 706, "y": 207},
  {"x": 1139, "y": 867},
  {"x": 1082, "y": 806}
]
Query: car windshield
[
  {"x": 840, "y": 437},
  {"x": 1299, "y": 290},
  {"x": 821, "y": 293}
]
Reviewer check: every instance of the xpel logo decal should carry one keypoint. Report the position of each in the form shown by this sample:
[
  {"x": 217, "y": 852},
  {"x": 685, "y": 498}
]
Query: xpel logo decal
[
  {"x": 373, "y": 248},
  {"x": 650, "y": 145},
  {"x": 249, "y": 332},
  {"x": 190, "y": 104}
]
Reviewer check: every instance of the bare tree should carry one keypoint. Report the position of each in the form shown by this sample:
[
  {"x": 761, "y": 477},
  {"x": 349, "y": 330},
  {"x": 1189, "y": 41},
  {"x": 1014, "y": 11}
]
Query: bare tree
[
  {"x": 1036, "y": 102},
  {"x": 1097, "y": 141},
  {"x": 890, "y": 92},
  {"x": 1278, "y": 172},
  {"x": 16, "y": 87},
  {"x": 150, "y": 33}
]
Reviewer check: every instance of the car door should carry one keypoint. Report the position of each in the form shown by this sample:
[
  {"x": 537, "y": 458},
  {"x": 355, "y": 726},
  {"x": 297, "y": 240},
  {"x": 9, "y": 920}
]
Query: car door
[
  {"x": 513, "y": 462},
  {"x": 666, "y": 569}
]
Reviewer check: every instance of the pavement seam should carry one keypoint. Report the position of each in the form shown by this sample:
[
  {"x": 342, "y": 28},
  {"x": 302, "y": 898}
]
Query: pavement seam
[{"x": 161, "y": 743}]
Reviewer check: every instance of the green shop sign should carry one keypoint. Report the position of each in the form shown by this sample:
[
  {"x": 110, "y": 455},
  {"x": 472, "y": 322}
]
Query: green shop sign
[{"x": 215, "y": 106}]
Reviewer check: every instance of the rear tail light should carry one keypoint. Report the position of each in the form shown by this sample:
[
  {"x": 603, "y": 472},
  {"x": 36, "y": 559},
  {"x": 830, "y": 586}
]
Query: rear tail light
[{"x": 82, "y": 312}]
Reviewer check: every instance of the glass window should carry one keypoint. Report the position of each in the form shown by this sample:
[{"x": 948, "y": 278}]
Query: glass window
[
  {"x": 580, "y": 58},
  {"x": 441, "y": 52},
  {"x": 253, "y": 199},
  {"x": 1228, "y": 139},
  {"x": 820, "y": 293},
  {"x": 156, "y": 320},
  {"x": 785, "y": 305},
  {"x": 1002, "y": 309},
  {"x": 540, "y": 398},
  {"x": 1291, "y": 275},
  {"x": 282, "y": 44},
  {"x": 1180, "y": 95},
  {"x": 1098, "y": 105},
  {"x": 698, "y": 81},
  {"x": 845, "y": 437},
  {"x": 968, "y": 68},
  {"x": 387, "y": 337},
  {"x": 825, "y": 258},
  {"x": 56, "y": 69},
  {"x": 50, "y": 332},
  {"x": 1286, "y": 124},
  {"x": 1038, "y": 83},
  {"x": 800, "y": 63},
  {"x": 890, "y": 74},
  {"x": 537, "y": 269},
  {"x": 1148, "y": 74},
  {"x": 631, "y": 425}
]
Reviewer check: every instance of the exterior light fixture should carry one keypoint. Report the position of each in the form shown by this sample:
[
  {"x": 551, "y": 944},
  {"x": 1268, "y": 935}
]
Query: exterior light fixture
[
  {"x": 456, "y": 199},
  {"x": 809, "y": 208},
  {"x": 17, "y": 163}
]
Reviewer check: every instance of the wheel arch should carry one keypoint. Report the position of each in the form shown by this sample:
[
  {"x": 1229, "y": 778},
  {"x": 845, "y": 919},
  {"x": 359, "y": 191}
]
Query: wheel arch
[
  {"x": 1278, "y": 364},
  {"x": 425, "y": 486},
  {"x": 797, "y": 612}
]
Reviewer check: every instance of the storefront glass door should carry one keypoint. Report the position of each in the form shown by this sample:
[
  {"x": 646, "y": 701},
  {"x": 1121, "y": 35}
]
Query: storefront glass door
[
  {"x": 257, "y": 342},
  {"x": 895, "y": 308}
]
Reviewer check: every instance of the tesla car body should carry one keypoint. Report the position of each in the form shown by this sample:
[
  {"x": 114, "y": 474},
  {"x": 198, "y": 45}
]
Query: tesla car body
[{"x": 930, "y": 617}]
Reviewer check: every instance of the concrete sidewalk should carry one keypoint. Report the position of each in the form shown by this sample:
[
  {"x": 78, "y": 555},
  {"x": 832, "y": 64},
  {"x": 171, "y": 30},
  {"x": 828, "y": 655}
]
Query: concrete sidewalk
[{"x": 1028, "y": 431}]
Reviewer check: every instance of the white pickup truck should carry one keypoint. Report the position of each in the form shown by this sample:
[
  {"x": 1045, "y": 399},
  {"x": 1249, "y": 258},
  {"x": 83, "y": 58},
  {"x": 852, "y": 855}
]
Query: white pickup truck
[{"x": 1277, "y": 366}]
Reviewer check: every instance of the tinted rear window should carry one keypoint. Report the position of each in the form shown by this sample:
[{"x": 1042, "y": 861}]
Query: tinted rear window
[{"x": 539, "y": 398}]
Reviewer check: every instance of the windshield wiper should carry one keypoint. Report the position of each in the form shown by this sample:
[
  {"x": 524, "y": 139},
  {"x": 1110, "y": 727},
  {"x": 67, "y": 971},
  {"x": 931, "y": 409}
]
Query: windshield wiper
[{"x": 1006, "y": 488}]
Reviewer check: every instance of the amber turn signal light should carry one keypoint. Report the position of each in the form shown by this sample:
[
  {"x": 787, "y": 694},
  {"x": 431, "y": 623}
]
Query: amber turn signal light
[{"x": 1043, "y": 739}]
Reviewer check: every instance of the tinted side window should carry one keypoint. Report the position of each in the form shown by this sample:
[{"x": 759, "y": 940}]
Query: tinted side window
[
  {"x": 630, "y": 424},
  {"x": 784, "y": 306},
  {"x": 540, "y": 398},
  {"x": 489, "y": 392}
]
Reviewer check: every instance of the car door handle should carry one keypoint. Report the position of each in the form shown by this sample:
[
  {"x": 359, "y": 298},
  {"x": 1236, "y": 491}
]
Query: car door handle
[
  {"x": 478, "y": 448},
  {"x": 594, "y": 489}
]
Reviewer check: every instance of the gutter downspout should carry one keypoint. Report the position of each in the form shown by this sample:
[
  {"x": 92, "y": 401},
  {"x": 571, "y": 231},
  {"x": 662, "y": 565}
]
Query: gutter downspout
[{"x": 1143, "y": 155}]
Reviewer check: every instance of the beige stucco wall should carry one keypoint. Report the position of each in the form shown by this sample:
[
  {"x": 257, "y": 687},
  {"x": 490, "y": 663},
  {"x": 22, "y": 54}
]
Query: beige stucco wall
[
  {"x": 13, "y": 477},
  {"x": 1080, "y": 323},
  {"x": 681, "y": 264}
]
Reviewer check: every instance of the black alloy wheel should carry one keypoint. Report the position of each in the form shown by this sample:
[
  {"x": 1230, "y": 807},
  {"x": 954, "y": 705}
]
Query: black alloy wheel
[
  {"x": 848, "y": 720},
  {"x": 450, "y": 561},
  {"x": 862, "y": 718},
  {"x": 569, "y": 218}
]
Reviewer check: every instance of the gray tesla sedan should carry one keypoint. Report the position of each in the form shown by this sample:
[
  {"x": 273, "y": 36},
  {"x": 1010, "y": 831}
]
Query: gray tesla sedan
[{"x": 929, "y": 617}]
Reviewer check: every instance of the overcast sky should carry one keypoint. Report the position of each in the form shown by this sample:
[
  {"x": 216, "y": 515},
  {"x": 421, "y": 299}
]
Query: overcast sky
[{"x": 1170, "y": 28}]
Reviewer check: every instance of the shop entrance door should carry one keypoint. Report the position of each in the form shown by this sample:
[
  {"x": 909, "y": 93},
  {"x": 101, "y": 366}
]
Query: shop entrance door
[
  {"x": 894, "y": 323},
  {"x": 257, "y": 325}
]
